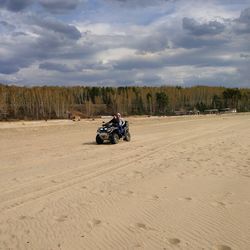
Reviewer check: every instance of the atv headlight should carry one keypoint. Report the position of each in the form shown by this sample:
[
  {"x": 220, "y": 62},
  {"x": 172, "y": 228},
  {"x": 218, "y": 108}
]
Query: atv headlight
[{"x": 101, "y": 130}]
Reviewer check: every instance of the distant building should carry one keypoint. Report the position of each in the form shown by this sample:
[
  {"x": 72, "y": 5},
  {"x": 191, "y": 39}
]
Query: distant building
[
  {"x": 228, "y": 110},
  {"x": 211, "y": 111},
  {"x": 180, "y": 112},
  {"x": 193, "y": 112}
]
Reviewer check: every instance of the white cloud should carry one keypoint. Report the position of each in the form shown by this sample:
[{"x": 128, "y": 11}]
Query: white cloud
[{"x": 153, "y": 42}]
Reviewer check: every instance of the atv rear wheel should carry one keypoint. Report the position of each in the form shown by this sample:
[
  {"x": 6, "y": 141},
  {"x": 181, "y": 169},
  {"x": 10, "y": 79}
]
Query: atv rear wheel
[
  {"x": 98, "y": 139},
  {"x": 114, "y": 138}
]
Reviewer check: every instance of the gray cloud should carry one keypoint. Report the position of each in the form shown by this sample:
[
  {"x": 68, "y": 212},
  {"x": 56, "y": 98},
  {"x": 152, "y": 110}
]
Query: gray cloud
[
  {"x": 152, "y": 43},
  {"x": 245, "y": 56},
  {"x": 239, "y": 77},
  {"x": 242, "y": 24},
  {"x": 190, "y": 42},
  {"x": 50, "y": 39},
  {"x": 53, "y": 6},
  {"x": 7, "y": 26},
  {"x": 8, "y": 69},
  {"x": 12, "y": 65},
  {"x": 137, "y": 63},
  {"x": 198, "y": 58},
  {"x": 56, "y": 66},
  {"x": 59, "y": 27},
  {"x": 59, "y": 6},
  {"x": 245, "y": 16},
  {"x": 20, "y": 56},
  {"x": 15, "y": 5},
  {"x": 147, "y": 78},
  {"x": 19, "y": 33},
  {"x": 244, "y": 74},
  {"x": 141, "y": 3},
  {"x": 199, "y": 29}
]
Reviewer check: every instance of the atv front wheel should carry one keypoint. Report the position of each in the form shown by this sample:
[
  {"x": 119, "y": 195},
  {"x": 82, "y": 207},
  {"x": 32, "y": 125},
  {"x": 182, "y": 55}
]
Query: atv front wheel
[
  {"x": 114, "y": 138},
  {"x": 98, "y": 139},
  {"x": 127, "y": 136}
]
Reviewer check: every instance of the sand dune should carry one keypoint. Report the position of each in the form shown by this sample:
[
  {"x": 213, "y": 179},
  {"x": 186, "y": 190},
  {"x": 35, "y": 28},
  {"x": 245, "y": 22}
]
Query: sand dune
[{"x": 181, "y": 183}]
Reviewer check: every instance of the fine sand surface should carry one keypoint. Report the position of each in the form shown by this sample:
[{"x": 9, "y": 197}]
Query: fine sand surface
[{"x": 181, "y": 183}]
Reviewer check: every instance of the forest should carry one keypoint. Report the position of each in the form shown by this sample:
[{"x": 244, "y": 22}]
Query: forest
[{"x": 54, "y": 102}]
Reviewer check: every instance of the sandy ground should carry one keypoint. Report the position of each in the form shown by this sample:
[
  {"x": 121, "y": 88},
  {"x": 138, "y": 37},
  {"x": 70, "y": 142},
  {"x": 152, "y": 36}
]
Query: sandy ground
[{"x": 181, "y": 183}]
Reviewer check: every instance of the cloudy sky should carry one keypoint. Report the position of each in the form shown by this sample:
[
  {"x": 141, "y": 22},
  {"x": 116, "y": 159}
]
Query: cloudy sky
[{"x": 125, "y": 42}]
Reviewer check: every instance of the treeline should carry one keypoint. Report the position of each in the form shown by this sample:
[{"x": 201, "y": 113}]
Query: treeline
[{"x": 58, "y": 102}]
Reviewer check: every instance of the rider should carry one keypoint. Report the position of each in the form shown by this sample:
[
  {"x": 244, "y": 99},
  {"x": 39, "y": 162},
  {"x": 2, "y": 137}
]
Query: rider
[
  {"x": 120, "y": 123},
  {"x": 114, "y": 120}
]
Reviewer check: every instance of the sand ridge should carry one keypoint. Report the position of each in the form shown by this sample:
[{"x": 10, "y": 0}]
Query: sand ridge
[{"x": 181, "y": 183}]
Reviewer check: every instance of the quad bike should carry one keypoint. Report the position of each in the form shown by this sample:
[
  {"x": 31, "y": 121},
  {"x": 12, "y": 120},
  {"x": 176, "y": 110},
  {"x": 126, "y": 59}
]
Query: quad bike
[{"x": 112, "y": 133}]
